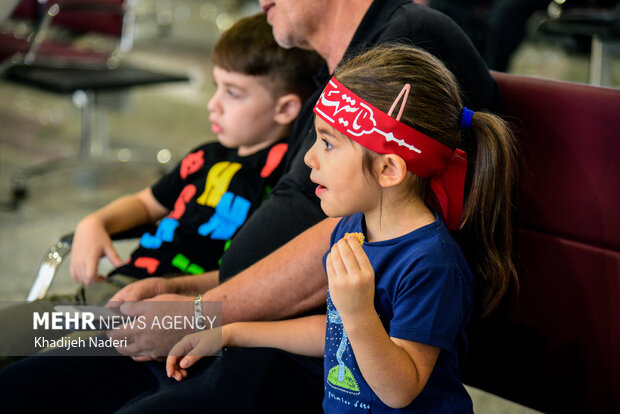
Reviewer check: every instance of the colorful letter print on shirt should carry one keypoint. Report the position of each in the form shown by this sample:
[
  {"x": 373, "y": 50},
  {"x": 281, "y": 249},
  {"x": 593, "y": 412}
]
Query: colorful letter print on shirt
[
  {"x": 164, "y": 233},
  {"x": 192, "y": 163},
  {"x": 230, "y": 214},
  {"x": 220, "y": 190},
  {"x": 218, "y": 181}
]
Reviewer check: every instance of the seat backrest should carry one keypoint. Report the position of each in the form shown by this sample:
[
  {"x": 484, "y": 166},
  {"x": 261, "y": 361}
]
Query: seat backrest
[
  {"x": 91, "y": 16},
  {"x": 555, "y": 345},
  {"x": 25, "y": 10},
  {"x": 102, "y": 16},
  {"x": 111, "y": 18}
]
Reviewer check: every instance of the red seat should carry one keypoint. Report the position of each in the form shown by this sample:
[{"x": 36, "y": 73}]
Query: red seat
[
  {"x": 555, "y": 345},
  {"x": 104, "y": 17},
  {"x": 51, "y": 52}
]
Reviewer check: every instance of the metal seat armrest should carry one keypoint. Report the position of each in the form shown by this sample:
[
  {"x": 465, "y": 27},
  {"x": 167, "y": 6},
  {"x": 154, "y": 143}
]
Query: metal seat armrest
[{"x": 49, "y": 267}]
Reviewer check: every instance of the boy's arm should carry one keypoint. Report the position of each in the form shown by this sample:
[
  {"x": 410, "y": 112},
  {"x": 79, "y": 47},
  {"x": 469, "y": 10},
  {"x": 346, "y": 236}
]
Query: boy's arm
[{"x": 92, "y": 241}]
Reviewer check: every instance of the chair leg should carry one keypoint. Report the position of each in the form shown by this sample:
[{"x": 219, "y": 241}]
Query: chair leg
[
  {"x": 85, "y": 101},
  {"x": 95, "y": 148},
  {"x": 601, "y": 69},
  {"x": 94, "y": 137}
]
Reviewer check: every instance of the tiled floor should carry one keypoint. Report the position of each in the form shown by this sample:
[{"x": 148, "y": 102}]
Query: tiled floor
[{"x": 36, "y": 126}]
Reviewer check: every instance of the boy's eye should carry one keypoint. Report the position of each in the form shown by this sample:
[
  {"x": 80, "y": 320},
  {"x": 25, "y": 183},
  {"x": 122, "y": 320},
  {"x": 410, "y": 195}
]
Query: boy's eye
[
  {"x": 233, "y": 94},
  {"x": 328, "y": 146}
]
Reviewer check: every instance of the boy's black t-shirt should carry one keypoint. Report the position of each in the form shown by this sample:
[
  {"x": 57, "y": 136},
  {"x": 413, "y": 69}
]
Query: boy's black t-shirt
[{"x": 210, "y": 194}]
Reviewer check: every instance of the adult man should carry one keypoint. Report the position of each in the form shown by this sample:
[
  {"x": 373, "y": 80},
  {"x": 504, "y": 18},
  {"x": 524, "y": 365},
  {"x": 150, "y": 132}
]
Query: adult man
[
  {"x": 271, "y": 289},
  {"x": 289, "y": 281}
]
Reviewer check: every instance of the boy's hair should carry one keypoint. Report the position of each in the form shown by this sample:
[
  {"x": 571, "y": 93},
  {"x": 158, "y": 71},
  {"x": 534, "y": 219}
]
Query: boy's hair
[
  {"x": 434, "y": 107},
  {"x": 249, "y": 47}
]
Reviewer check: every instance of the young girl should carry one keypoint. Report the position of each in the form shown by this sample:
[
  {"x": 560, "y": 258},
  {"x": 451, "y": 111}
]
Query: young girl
[{"x": 397, "y": 306}]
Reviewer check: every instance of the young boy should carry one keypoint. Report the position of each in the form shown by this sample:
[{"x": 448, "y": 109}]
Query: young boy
[
  {"x": 260, "y": 88},
  {"x": 210, "y": 194}
]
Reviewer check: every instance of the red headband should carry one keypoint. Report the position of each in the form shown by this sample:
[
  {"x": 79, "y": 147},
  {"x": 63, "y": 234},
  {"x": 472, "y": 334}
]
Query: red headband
[{"x": 380, "y": 133}]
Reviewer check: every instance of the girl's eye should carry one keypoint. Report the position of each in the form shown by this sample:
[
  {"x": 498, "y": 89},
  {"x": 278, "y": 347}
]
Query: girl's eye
[{"x": 328, "y": 146}]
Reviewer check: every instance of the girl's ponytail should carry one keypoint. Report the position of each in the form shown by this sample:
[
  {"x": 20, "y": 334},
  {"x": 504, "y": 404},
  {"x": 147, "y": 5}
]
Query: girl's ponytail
[{"x": 486, "y": 223}]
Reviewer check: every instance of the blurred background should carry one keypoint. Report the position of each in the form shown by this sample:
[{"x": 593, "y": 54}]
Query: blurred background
[{"x": 142, "y": 131}]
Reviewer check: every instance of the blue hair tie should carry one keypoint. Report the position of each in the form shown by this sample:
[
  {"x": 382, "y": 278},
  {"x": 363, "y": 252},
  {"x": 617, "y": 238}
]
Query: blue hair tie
[{"x": 466, "y": 117}]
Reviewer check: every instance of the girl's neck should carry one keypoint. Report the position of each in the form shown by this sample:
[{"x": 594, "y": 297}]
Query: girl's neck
[{"x": 395, "y": 217}]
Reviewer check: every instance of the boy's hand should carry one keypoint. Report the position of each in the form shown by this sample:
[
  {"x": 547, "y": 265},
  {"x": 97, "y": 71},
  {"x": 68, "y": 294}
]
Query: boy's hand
[
  {"x": 351, "y": 278},
  {"x": 190, "y": 349},
  {"x": 91, "y": 242}
]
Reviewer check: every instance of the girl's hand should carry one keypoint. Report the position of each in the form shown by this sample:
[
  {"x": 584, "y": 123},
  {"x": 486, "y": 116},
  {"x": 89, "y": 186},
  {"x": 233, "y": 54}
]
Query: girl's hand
[
  {"x": 351, "y": 278},
  {"x": 190, "y": 349}
]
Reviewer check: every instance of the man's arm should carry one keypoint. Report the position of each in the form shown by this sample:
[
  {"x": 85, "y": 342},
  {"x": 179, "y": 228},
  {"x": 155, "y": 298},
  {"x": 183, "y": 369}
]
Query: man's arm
[
  {"x": 154, "y": 286},
  {"x": 288, "y": 282}
]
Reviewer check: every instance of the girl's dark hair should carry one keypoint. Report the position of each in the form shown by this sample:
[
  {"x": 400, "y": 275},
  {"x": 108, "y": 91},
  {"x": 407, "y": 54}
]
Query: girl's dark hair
[
  {"x": 248, "y": 47},
  {"x": 434, "y": 107}
]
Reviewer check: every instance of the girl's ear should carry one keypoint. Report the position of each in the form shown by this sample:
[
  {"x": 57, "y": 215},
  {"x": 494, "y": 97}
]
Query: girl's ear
[
  {"x": 287, "y": 109},
  {"x": 392, "y": 170}
]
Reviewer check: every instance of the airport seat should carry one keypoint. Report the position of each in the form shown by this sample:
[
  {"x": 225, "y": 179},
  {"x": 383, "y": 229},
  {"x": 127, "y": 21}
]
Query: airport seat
[
  {"x": 554, "y": 345},
  {"x": 599, "y": 23}
]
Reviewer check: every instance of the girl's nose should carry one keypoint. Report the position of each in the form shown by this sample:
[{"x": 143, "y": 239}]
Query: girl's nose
[{"x": 309, "y": 158}]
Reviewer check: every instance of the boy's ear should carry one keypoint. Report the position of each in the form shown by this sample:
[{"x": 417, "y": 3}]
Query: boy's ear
[
  {"x": 392, "y": 170},
  {"x": 287, "y": 109}
]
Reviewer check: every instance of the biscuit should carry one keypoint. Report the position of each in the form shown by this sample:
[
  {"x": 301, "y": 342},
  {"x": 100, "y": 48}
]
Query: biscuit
[{"x": 357, "y": 236}]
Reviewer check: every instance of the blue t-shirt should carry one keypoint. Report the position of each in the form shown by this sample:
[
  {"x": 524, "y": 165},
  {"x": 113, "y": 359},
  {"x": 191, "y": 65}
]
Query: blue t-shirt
[{"x": 424, "y": 291}]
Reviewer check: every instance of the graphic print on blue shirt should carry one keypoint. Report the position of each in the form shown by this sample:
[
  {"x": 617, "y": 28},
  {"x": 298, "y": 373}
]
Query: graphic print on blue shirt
[
  {"x": 344, "y": 383},
  {"x": 340, "y": 376},
  {"x": 230, "y": 214}
]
